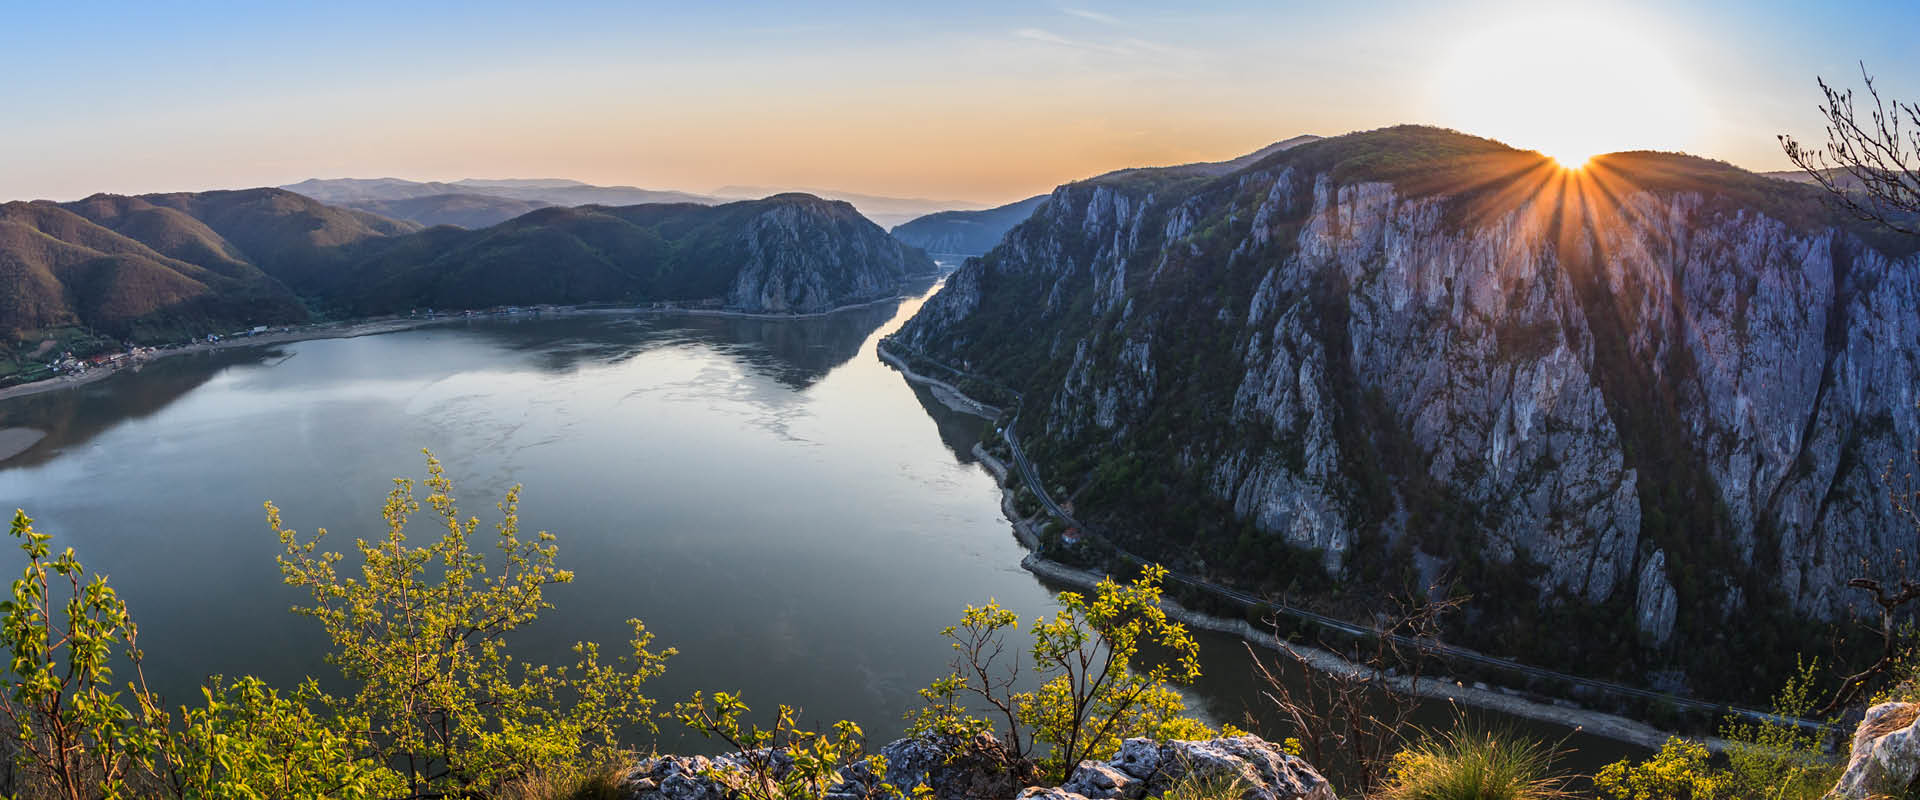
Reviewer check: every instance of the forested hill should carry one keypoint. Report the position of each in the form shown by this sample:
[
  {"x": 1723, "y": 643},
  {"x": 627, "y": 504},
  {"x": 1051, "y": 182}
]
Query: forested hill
[
  {"x": 1659, "y": 388},
  {"x": 162, "y": 267},
  {"x": 790, "y": 253},
  {"x": 968, "y": 233}
]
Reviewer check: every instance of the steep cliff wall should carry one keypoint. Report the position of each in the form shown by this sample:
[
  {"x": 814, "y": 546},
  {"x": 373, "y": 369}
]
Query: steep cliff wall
[{"x": 1659, "y": 389}]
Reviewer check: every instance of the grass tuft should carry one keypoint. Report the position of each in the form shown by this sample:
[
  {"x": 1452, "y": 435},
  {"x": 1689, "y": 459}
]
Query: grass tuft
[
  {"x": 1474, "y": 765},
  {"x": 600, "y": 781}
]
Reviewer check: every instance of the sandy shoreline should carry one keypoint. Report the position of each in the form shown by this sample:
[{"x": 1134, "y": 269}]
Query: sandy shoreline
[
  {"x": 1597, "y": 723},
  {"x": 14, "y": 441}
]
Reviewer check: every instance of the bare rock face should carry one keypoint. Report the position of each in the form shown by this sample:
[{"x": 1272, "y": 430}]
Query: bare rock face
[
  {"x": 1656, "y": 602},
  {"x": 955, "y": 769},
  {"x": 1663, "y": 405},
  {"x": 1885, "y": 759},
  {"x": 979, "y": 769},
  {"x": 695, "y": 777},
  {"x": 1145, "y": 768},
  {"x": 810, "y": 255}
]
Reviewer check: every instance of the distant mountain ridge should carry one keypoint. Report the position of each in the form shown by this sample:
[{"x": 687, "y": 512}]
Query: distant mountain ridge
[
  {"x": 475, "y": 203},
  {"x": 968, "y": 233},
  {"x": 887, "y": 211},
  {"x": 478, "y": 203},
  {"x": 162, "y": 267}
]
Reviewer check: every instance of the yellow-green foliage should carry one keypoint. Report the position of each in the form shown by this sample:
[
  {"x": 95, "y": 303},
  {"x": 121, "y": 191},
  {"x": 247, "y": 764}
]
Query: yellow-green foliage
[
  {"x": 1093, "y": 693},
  {"x": 420, "y": 632},
  {"x": 60, "y": 629},
  {"x": 1680, "y": 771},
  {"x": 437, "y": 707},
  {"x": 1465, "y": 765},
  {"x": 1766, "y": 759},
  {"x": 1769, "y": 760},
  {"x": 249, "y": 742}
]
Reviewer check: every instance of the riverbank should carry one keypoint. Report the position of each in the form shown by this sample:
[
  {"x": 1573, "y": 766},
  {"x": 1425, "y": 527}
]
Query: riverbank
[
  {"x": 948, "y": 394},
  {"x": 14, "y": 441},
  {"x": 1598, "y": 723},
  {"x": 335, "y": 330},
  {"x": 373, "y": 327}
]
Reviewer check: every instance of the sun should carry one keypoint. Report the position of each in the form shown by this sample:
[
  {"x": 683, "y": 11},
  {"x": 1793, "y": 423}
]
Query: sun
[
  {"x": 1569, "y": 160},
  {"x": 1570, "y": 85}
]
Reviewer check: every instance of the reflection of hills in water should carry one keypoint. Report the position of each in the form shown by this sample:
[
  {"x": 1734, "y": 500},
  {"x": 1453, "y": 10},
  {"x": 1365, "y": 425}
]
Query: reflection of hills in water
[
  {"x": 74, "y": 416},
  {"x": 959, "y": 431},
  {"x": 795, "y": 352}
]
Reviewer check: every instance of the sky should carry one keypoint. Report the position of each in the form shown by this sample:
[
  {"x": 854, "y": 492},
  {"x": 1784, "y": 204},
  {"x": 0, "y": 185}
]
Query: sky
[{"x": 979, "y": 102}]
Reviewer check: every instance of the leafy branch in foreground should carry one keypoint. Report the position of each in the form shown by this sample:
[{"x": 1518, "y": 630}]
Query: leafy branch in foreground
[
  {"x": 420, "y": 633},
  {"x": 1094, "y": 690},
  {"x": 69, "y": 728}
]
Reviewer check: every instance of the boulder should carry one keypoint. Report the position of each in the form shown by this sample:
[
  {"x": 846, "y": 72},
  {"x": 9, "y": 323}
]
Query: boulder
[
  {"x": 1146, "y": 768},
  {"x": 955, "y": 768},
  {"x": 1885, "y": 757},
  {"x": 694, "y": 777},
  {"x": 1100, "y": 781},
  {"x": 980, "y": 768}
]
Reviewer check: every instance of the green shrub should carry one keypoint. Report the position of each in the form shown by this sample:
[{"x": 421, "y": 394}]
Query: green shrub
[
  {"x": 1777, "y": 760},
  {"x": 61, "y": 630},
  {"x": 420, "y": 634},
  {"x": 1469, "y": 765},
  {"x": 1678, "y": 772},
  {"x": 1766, "y": 759},
  {"x": 1092, "y": 693}
]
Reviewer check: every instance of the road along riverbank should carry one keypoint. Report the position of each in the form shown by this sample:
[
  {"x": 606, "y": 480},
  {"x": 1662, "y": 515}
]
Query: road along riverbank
[{"x": 1598, "y": 723}]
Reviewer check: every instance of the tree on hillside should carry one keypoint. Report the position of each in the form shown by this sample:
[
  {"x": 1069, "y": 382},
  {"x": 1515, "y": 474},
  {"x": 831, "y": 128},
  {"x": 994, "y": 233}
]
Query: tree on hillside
[{"x": 1871, "y": 161}]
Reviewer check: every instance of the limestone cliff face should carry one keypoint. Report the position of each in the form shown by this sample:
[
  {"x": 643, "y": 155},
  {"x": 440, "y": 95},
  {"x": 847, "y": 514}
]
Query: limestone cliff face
[
  {"x": 1586, "y": 391},
  {"x": 804, "y": 255}
]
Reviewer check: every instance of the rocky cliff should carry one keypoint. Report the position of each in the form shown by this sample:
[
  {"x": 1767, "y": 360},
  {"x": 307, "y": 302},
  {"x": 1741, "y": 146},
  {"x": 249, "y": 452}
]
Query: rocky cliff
[
  {"x": 1658, "y": 388},
  {"x": 954, "y": 769}
]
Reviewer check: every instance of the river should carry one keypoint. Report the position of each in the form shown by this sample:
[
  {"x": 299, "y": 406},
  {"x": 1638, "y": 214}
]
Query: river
[{"x": 771, "y": 498}]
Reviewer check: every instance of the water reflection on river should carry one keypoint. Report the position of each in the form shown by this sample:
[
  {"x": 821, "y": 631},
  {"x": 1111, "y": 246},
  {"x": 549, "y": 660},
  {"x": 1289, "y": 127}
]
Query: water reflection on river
[{"x": 771, "y": 498}]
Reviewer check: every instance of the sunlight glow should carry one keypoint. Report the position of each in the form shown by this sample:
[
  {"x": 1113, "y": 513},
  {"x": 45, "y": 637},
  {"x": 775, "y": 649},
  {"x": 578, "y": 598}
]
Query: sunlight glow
[
  {"x": 1570, "y": 160},
  {"x": 1570, "y": 85}
]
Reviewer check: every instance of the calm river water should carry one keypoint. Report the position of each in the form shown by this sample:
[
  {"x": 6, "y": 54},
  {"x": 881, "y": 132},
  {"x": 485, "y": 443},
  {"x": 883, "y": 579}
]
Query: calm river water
[{"x": 767, "y": 495}]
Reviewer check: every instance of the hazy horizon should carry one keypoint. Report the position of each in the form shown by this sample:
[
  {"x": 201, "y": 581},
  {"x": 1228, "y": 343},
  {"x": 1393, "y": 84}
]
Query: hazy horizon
[{"x": 985, "y": 104}]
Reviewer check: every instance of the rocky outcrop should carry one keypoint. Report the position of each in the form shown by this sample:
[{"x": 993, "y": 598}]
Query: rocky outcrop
[
  {"x": 1145, "y": 768},
  {"x": 807, "y": 255},
  {"x": 1589, "y": 388},
  {"x": 1885, "y": 759},
  {"x": 978, "y": 769},
  {"x": 1656, "y": 603},
  {"x": 955, "y": 769}
]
